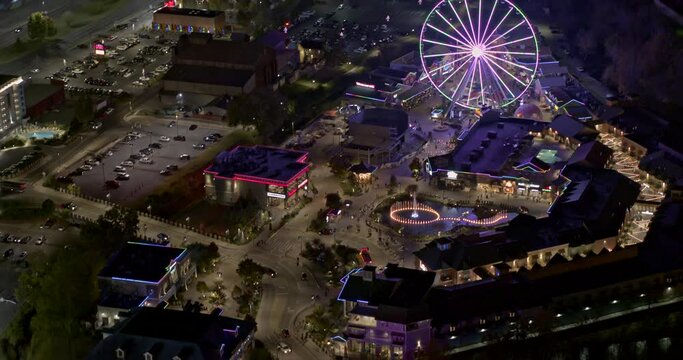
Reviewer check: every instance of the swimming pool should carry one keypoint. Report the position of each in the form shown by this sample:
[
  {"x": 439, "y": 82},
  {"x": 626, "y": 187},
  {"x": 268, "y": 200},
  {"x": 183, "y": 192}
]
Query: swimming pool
[{"x": 42, "y": 135}]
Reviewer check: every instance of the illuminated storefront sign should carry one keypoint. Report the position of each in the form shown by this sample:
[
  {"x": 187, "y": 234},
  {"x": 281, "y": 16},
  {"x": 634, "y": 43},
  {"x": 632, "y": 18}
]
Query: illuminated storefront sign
[
  {"x": 99, "y": 49},
  {"x": 275, "y": 195}
]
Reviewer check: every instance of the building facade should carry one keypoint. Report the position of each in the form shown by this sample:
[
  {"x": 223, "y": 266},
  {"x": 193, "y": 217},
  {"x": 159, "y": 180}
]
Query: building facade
[
  {"x": 141, "y": 274},
  {"x": 271, "y": 176},
  {"x": 189, "y": 20},
  {"x": 12, "y": 102}
]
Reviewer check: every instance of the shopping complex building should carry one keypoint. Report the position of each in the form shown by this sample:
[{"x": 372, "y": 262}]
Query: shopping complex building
[
  {"x": 272, "y": 176},
  {"x": 508, "y": 155},
  {"x": 12, "y": 103},
  {"x": 141, "y": 274},
  {"x": 189, "y": 20}
]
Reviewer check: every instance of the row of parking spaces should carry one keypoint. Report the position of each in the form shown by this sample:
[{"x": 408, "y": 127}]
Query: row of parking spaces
[
  {"x": 140, "y": 161},
  {"x": 628, "y": 166},
  {"x": 132, "y": 62}
]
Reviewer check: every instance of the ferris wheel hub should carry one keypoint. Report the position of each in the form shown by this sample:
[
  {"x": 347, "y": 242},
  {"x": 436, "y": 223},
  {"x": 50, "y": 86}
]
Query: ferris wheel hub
[{"x": 478, "y": 50}]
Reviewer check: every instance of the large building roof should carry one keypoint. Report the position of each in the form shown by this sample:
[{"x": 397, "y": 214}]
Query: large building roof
[
  {"x": 35, "y": 93},
  {"x": 260, "y": 164},
  {"x": 5, "y": 78},
  {"x": 202, "y": 47},
  {"x": 167, "y": 333},
  {"x": 396, "y": 292},
  {"x": 384, "y": 117},
  {"x": 569, "y": 127},
  {"x": 141, "y": 262},
  {"x": 214, "y": 76},
  {"x": 171, "y": 10},
  {"x": 489, "y": 145}
]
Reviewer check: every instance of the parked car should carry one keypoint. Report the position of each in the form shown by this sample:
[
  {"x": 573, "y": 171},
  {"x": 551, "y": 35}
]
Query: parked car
[
  {"x": 41, "y": 239},
  {"x": 8, "y": 253},
  {"x": 122, "y": 176},
  {"x": 71, "y": 206},
  {"x": 171, "y": 167},
  {"x": 165, "y": 172},
  {"x": 155, "y": 146},
  {"x": 146, "y": 160},
  {"x": 284, "y": 348},
  {"x": 193, "y": 127},
  {"x": 97, "y": 125},
  {"x": 112, "y": 184},
  {"x": 162, "y": 237},
  {"x": 85, "y": 167},
  {"x": 179, "y": 138},
  {"x": 185, "y": 157},
  {"x": 171, "y": 124},
  {"x": 199, "y": 146},
  {"x": 164, "y": 139},
  {"x": 48, "y": 223}
]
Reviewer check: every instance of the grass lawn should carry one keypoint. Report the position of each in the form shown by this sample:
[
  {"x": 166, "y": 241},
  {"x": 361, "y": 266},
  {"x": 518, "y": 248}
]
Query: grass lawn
[{"x": 185, "y": 188}]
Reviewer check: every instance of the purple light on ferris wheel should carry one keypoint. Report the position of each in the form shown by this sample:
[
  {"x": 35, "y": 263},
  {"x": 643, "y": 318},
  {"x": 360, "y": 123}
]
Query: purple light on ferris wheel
[{"x": 481, "y": 37}]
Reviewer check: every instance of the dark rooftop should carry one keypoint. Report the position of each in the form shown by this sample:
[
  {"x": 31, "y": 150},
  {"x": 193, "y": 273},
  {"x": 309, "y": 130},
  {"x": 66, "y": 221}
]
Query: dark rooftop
[
  {"x": 395, "y": 286},
  {"x": 203, "y": 48},
  {"x": 312, "y": 44},
  {"x": 188, "y": 12},
  {"x": 5, "y": 78},
  {"x": 141, "y": 262},
  {"x": 488, "y": 145},
  {"x": 260, "y": 163},
  {"x": 172, "y": 332},
  {"x": 391, "y": 118},
  {"x": 35, "y": 93},
  {"x": 569, "y": 127},
  {"x": 202, "y": 75},
  {"x": 591, "y": 154},
  {"x": 120, "y": 301}
]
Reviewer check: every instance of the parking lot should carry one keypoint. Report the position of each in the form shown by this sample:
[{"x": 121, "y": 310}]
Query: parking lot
[
  {"x": 133, "y": 61},
  {"x": 142, "y": 155}
]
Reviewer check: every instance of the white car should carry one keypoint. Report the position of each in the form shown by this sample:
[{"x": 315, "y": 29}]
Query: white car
[
  {"x": 109, "y": 110},
  {"x": 165, "y": 139},
  {"x": 284, "y": 348},
  {"x": 96, "y": 126},
  {"x": 127, "y": 163},
  {"x": 146, "y": 160},
  {"x": 86, "y": 167}
]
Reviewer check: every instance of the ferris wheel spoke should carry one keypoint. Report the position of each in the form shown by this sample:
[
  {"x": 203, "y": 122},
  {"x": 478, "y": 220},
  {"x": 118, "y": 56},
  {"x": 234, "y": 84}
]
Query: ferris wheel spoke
[
  {"x": 510, "y": 42},
  {"x": 464, "y": 38},
  {"x": 467, "y": 10},
  {"x": 457, "y": 87},
  {"x": 462, "y": 24},
  {"x": 507, "y": 32},
  {"x": 474, "y": 74},
  {"x": 479, "y": 24},
  {"x": 510, "y": 52},
  {"x": 442, "y": 43},
  {"x": 486, "y": 39},
  {"x": 494, "y": 58},
  {"x": 454, "y": 71},
  {"x": 481, "y": 83},
  {"x": 488, "y": 22},
  {"x": 505, "y": 71},
  {"x": 498, "y": 79},
  {"x": 449, "y": 63},
  {"x": 449, "y": 36},
  {"x": 446, "y": 54}
]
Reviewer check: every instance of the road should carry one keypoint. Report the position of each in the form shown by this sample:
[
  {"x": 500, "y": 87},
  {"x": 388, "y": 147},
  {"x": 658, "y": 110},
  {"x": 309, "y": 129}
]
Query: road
[{"x": 15, "y": 18}]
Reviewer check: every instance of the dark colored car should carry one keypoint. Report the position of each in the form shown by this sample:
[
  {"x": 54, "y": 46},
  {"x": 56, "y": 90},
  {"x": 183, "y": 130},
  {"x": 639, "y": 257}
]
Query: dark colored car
[
  {"x": 179, "y": 138},
  {"x": 184, "y": 157},
  {"x": 65, "y": 180},
  {"x": 172, "y": 167},
  {"x": 155, "y": 146},
  {"x": 112, "y": 184},
  {"x": 199, "y": 146},
  {"x": 193, "y": 127},
  {"x": 162, "y": 237}
]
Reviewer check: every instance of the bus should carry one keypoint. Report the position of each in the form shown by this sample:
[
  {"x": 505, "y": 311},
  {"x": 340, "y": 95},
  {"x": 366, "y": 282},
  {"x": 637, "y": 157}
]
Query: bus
[{"x": 7, "y": 186}]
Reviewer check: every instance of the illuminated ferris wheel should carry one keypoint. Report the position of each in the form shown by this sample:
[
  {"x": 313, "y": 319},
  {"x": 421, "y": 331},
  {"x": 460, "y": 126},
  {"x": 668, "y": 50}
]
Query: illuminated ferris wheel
[{"x": 479, "y": 53}]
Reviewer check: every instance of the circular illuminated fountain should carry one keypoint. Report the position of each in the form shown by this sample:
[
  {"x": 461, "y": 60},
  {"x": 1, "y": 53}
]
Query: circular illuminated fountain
[{"x": 413, "y": 213}]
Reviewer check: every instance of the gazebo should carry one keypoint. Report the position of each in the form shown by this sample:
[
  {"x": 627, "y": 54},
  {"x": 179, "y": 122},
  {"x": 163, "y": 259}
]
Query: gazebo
[{"x": 363, "y": 172}]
